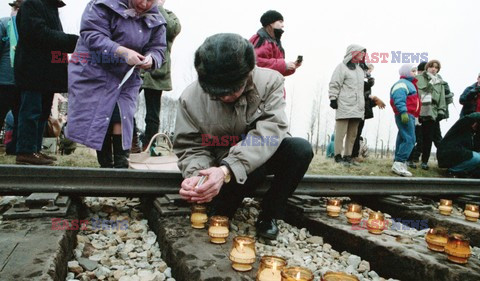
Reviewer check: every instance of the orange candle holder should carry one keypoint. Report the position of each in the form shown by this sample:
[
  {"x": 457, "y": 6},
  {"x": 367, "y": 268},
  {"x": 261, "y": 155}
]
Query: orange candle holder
[
  {"x": 471, "y": 212},
  {"x": 243, "y": 254},
  {"x": 458, "y": 248},
  {"x": 199, "y": 216},
  {"x": 354, "y": 213},
  {"x": 445, "y": 207},
  {"x": 271, "y": 268},
  {"x": 296, "y": 274},
  {"x": 336, "y": 276},
  {"x": 437, "y": 238},
  {"x": 376, "y": 222},
  {"x": 333, "y": 207},
  {"x": 218, "y": 229}
]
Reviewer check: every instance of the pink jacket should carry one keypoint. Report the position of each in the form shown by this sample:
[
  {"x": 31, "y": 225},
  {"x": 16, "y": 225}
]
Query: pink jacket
[{"x": 270, "y": 56}]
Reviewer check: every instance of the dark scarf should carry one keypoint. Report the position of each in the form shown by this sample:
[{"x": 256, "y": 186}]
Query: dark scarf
[{"x": 263, "y": 35}]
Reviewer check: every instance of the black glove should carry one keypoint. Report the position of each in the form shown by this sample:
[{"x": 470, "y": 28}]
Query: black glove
[
  {"x": 333, "y": 104},
  {"x": 440, "y": 117},
  {"x": 371, "y": 81}
]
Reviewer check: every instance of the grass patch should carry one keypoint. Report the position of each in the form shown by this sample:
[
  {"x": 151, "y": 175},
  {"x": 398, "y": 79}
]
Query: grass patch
[
  {"x": 370, "y": 167},
  {"x": 82, "y": 157},
  {"x": 86, "y": 157}
]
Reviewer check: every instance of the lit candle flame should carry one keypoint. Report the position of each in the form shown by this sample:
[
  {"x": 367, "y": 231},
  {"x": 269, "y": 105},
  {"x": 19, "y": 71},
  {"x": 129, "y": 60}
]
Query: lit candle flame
[
  {"x": 297, "y": 277},
  {"x": 241, "y": 246}
]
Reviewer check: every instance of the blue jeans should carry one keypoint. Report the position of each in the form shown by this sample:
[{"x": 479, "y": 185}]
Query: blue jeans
[
  {"x": 34, "y": 111},
  {"x": 467, "y": 166},
  {"x": 405, "y": 138}
]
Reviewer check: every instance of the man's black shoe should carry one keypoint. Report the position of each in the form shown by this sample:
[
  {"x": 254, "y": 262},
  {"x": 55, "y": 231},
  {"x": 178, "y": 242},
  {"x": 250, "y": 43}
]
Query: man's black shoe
[
  {"x": 267, "y": 229},
  {"x": 338, "y": 158}
]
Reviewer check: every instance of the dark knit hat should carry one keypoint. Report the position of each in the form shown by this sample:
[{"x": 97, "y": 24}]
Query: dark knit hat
[
  {"x": 16, "y": 4},
  {"x": 223, "y": 63},
  {"x": 421, "y": 66},
  {"x": 269, "y": 17}
]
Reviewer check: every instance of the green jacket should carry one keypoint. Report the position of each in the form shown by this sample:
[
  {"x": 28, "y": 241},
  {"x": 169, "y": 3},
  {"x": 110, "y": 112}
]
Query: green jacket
[
  {"x": 432, "y": 97},
  {"x": 160, "y": 79},
  {"x": 259, "y": 112}
]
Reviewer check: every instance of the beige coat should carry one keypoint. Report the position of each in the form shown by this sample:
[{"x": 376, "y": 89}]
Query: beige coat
[
  {"x": 346, "y": 86},
  {"x": 259, "y": 112}
]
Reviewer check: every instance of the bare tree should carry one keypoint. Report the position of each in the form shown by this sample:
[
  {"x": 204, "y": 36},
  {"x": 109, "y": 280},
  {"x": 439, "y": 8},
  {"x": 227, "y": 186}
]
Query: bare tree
[
  {"x": 319, "y": 97},
  {"x": 378, "y": 131},
  {"x": 168, "y": 114},
  {"x": 313, "y": 121}
]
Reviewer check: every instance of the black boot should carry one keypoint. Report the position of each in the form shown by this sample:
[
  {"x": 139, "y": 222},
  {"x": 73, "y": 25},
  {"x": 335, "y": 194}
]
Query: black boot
[
  {"x": 338, "y": 158},
  {"x": 120, "y": 156},
  {"x": 104, "y": 156},
  {"x": 267, "y": 227}
]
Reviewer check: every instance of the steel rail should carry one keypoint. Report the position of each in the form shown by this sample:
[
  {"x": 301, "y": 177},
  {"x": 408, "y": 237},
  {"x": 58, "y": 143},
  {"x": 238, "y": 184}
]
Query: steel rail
[{"x": 74, "y": 181}]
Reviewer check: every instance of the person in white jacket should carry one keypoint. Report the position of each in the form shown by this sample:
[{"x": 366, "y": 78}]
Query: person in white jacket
[{"x": 346, "y": 97}]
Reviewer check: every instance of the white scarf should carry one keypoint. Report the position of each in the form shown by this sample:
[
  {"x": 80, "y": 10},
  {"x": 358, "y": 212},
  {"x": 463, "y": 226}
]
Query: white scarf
[{"x": 434, "y": 79}]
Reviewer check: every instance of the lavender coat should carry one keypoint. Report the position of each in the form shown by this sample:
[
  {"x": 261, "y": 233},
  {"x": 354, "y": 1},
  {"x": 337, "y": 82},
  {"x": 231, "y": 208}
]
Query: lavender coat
[{"x": 93, "y": 83}]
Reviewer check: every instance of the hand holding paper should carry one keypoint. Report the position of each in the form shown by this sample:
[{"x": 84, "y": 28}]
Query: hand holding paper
[{"x": 146, "y": 63}]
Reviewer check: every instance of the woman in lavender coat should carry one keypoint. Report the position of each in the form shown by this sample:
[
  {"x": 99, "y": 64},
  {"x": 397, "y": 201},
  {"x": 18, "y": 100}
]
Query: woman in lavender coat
[{"x": 100, "y": 113}]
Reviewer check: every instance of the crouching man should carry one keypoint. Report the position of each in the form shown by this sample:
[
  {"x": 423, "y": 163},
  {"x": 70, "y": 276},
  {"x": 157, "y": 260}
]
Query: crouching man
[
  {"x": 234, "y": 100},
  {"x": 459, "y": 149}
]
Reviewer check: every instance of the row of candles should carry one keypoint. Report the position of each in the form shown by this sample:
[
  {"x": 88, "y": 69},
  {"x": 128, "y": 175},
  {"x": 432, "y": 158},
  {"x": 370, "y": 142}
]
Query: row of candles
[
  {"x": 456, "y": 246},
  {"x": 243, "y": 254},
  {"x": 376, "y": 222},
  {"x": 471, "y": 211}
]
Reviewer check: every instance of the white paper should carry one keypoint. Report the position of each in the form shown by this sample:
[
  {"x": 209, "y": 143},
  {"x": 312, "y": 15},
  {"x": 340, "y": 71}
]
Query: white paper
[{"x": 129, "y": 73}]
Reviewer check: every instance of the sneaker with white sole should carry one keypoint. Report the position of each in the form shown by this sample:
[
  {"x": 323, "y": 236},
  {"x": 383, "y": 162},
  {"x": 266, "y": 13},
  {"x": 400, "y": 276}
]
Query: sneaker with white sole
[{"x": 400, "y": 169}]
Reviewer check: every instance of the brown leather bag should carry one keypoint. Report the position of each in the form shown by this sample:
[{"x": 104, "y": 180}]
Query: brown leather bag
[{"x": 54, "y": 127}]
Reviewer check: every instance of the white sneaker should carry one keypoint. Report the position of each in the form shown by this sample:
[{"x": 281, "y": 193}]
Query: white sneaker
[
  {"x": 407, "y": 172},
  {"x": 400, "y": 169}
]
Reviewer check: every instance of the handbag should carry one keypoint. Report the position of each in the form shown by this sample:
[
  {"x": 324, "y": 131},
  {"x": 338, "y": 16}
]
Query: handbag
[
  {"x": 163, "y": 160},
  {"x": 54, "y": 127}
]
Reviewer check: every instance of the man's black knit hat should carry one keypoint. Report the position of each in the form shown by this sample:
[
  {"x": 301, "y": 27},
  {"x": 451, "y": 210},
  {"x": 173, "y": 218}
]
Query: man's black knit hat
[
  {"x": 269, "y": 17},
  {"x": 421, "y": 66},
  {"x": 223, "y": 63}
]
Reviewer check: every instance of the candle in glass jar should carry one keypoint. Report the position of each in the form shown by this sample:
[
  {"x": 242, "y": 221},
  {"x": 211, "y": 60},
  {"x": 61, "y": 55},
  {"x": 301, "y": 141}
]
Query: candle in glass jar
[
  {"x": 471, "y": 212},
  {"x": 437, "y": 238},
  {"x": 242, "y": 254},
  {"x": 271, "y": 268},
  {"x": 333, "y": 207},
  {"x": 445, "y": 207},
  {"x": 354, "y": 213},
  {"x": 458, "y": 249},
  {"x": 218, "y": 230},
  {"x": 199, "y": 216},
  {"x": 336, "y": 276},
  {"x": 376, "y": 222},
  {"x": 296, "y": 274}
]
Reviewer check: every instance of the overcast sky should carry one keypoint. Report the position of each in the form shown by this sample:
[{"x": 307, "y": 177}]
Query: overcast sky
[{"x": 320, "y": 31}]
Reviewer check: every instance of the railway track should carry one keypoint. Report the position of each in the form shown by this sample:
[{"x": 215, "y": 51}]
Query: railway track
[{"x": 309, "y": 237}]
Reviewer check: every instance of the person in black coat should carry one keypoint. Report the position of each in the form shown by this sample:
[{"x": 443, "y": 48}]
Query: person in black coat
[
  {"x": 370, "y": 103},
  {"x": 37, "y": 75},
  {"x": 469, "y": 98},
  {"x": 459, "y": 149}
]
